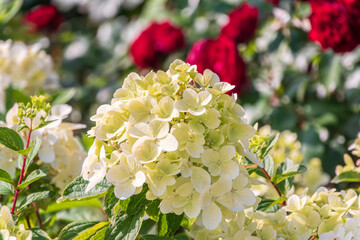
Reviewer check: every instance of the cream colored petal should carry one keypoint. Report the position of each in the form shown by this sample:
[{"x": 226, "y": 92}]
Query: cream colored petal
[
  {"x": 211, "y": 216},
  {"x": 200, "y": 179}
]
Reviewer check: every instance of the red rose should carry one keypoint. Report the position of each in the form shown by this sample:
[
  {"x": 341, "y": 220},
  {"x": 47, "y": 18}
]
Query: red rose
[
  {"x": 333, "y": 27},
  {"x": 353, "y": 7},
  {"x": 274, "y": 2},
  {"x": 242, "y": 23},
  {"x": 222, "y": 57},
  {"x": 45, "y": 17},
  {"x": 154, "y": 43}
]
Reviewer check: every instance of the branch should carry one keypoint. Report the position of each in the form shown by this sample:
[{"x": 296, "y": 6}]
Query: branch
[{"x": 22, "y": 174}]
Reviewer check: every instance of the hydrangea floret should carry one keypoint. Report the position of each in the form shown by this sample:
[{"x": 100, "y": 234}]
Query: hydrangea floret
[
  {"x": 9, "y": 230},
  {"x": 182, "y": 135},
  {"x": 60, "y": 151}
]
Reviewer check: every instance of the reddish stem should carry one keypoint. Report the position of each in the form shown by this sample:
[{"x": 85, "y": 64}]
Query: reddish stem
[
  {"x": 273, "y": 184},
  {"x": 37, "y": 214},
  {"x": 313, "y": 237},
  {"x": 22, "y": 170}
]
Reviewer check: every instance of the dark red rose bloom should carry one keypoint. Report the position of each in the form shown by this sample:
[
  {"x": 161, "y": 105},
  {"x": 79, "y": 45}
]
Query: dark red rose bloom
[
  {"x": 45, "y": 17},
  {"x": 242, "y": 24},
  {"x": 221, "y": 56},
  {"x": 154, "y": 43},
  {"x": 333, "y": 27},
  {"x": 353, "y": 7},
  {"x": 274, "y": 2}
]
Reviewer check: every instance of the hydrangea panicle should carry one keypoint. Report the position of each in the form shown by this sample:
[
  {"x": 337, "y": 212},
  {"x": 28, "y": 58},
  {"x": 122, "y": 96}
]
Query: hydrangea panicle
[{"x": 182, "y": 135}]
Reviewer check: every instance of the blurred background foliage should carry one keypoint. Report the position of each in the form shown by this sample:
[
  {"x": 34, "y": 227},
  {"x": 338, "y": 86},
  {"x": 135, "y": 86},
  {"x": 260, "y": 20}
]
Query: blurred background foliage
[{"x": 292, "y": 83}]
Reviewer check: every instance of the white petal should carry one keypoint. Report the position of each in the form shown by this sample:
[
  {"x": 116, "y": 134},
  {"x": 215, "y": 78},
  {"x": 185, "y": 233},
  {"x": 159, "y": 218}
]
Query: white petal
[
  {"x": 46, "y": 153},
  {"x": 61, "y": 110},
  {"x": 211, "y": 216},
  {"x": 227, "y": 152},
  {"x": 139, "y": 179},
  {"x": 200, "y": 179},
  {"x": 140, "y": 130},
  {"x": 124, "y": 191},
  {"x": 204, "y": 97},
  {"x": 246, "y": 196},
  {"x": 169, "y": 143},
  {"x": 231, "y": 168},
  {"x": 194, "y": 149},
  {"x": 159, "y": 128}
]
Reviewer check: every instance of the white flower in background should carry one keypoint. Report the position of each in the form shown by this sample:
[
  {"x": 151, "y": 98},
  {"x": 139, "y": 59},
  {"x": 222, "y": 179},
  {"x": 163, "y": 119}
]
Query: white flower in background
[
  {"x": 59, "y": 150},
  {"x": 27, "y": 68},
  {"x": 185, "y": 141},
  {"x": 8, "y": 229}
]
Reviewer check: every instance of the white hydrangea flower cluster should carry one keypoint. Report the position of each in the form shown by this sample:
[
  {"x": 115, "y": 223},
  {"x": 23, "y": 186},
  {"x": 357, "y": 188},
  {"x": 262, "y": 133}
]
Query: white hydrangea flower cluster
[
  {"x": 8, "y": 229},
  {"x": 327, "y": 214},
  {"x": 59, "y": 149},
  {"x": 25, "y": 67},
  {"x": 178, "y": 132}
]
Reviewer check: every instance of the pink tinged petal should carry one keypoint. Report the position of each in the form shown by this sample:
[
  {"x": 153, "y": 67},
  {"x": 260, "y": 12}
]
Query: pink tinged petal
[
  {"x": 124, "y": 190},
  {"x": 169, "y": 143},
  {"x": 211, "y": 216},
  {"x": 46, "y": 153},
  {"x": 200, "y": 179}
]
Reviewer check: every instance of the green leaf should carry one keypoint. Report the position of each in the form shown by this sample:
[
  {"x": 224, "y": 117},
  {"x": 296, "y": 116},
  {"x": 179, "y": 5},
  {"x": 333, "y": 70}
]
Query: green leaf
[
  {"x": 64, "y": 96},
  {"x": 187, "y": 222},
  {"x": 168, "y": 224},
  {"x": 32, "y": 177},
  {"x": 347, "y": 177},
  {"x": 5, "y": 176},
  {"x": 133, "y": 204},
  {"x": 38, "y": 234},
  {"x": 269, "y": 205},
  {"x": 288, "y": 171},
  {"x": 182, "y": 236},
  {"x": 72, "y": 230},
  {"x": 76, "y": 190},
  {"x": 109, "y": 202},
  {"x": 25, "y": 151},
  {"x": 11, "y": 139},
  {"x": 153, "y": 210},
  {"x": 37, "y": 196},
  {"x": 126, "y": 227},
  {"x": 99, "y": 235},
  {"x": 270, "y": 143},
  {"x": 153, "y": 237},
  {"x": 88, "y": 233},
  {"x": 6, "y": 188},
  {"x": 43, "y": 124},
  {"x": 15, "y": 96},
  {"x": 56, "y": 207},
  {"x": 36, "y": 144},
  {"x": 269, "y": 165}
]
